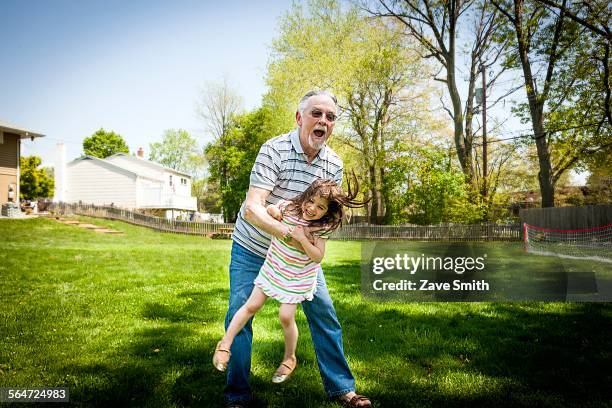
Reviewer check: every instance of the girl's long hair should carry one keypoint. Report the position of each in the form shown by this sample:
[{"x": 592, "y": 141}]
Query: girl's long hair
[{"x": 337, "y": 201}]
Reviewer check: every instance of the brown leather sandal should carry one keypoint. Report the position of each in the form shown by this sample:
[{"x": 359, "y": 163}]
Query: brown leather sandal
[
  {"x": 219, "y": 362},
  {"x": 357, "y": 402},
  {"x": 278, "y": 378}
]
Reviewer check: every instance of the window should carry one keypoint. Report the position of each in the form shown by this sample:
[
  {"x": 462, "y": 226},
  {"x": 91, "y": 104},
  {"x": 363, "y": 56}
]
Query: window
[
  {"x": 170, "y": 179},
  {"x": 183, "y": 181}
]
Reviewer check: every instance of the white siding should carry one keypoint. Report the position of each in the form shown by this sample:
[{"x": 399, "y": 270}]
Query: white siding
[
  {"x": 93, "y": 183},
  {"x": 134, "y": 165},
  {"x": 183, "y": 190},
  {"x": 145, "y": 168},
  {"x": 177, "y": 187}
]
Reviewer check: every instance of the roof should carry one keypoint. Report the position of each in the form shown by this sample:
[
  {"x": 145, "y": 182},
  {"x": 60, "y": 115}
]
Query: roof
[
  {"x": 23, "y": 132},
  {"x": 113, "y": 165},
  {"x": 151, "y": 164},
  {"x": 104, "y": 163}
]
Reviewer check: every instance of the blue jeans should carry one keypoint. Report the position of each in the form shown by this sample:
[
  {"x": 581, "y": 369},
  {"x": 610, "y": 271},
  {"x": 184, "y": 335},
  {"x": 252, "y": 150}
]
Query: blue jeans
[{"x": 324, "y": 328}]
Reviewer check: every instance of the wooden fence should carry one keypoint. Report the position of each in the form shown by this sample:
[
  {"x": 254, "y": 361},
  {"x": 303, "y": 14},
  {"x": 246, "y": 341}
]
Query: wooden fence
[
  {"x": 157, "y": 223},
  {"x": 454, "y": 232},
  {"x": 449, "y": 232},
  {"x": 568, "y": 218}
]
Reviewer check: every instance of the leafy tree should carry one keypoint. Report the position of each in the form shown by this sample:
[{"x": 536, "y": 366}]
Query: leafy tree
[
  {"x": 595, "y": 16},
  {"x": 567, "y": 99},
  {"x": 431, "y": 191},
  {"x": 177, "y": 150},
  {"x": 599, "y": 183},
  {"x": 511, "y": 168},
  {"x": 231, "y": 158},
  {"x": 103, "y": 144},
  {"x": 377, "y": 77},
  {"x": 208, "y": 195},
  {"x": 437, "y": 26},
  {"x": 34, "y": 182}
]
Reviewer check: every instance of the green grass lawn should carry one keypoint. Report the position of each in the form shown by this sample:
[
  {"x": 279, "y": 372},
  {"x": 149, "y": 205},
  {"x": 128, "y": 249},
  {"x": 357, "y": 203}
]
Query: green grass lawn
[{"x": 133, "y": 320}]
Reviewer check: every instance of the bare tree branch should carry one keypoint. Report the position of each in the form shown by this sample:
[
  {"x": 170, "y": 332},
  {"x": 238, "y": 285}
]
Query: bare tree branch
[{"x": 446, "y": 109}]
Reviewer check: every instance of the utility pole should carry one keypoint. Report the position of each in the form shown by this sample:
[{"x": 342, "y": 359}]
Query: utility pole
[{"x": 484, "y": 133}]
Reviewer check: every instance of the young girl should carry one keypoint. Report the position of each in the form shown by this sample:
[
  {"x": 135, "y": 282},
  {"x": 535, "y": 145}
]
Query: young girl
[{"x": 289, "y": 273}]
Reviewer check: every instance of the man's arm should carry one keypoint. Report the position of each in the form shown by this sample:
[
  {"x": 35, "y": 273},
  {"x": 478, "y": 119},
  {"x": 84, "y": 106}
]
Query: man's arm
[{"x": 255, "y": 212}]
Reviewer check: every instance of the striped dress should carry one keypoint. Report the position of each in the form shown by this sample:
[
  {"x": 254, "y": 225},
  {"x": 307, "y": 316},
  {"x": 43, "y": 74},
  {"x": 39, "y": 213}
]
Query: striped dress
[{"x": 288, "y": 274}]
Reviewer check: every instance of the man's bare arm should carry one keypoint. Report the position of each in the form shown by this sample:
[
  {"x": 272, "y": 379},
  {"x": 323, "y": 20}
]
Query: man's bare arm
[{"x": 255, "y": 212}]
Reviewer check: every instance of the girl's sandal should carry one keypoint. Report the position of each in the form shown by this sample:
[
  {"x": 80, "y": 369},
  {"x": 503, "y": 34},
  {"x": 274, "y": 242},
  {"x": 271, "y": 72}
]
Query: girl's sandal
[
  {"x": 221, "y": 357},
  {"x": 279, "y": 378}
]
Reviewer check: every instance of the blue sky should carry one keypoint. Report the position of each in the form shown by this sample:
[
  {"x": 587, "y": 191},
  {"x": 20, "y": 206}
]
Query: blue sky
[{"x": 135, "y": 67}]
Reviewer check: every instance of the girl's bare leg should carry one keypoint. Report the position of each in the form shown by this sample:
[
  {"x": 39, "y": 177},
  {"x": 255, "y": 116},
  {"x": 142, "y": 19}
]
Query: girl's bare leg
[
  {"x": 222, "y": 351},
  {"x": 286, "y": 315},
  {"x": 242, "y": 316}
]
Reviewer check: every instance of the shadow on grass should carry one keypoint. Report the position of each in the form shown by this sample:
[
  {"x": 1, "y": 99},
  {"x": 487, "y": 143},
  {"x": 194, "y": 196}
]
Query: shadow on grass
[
  {"x": 198, "y": 308},
  {"x": 403, "y": 355},
  {"x": 525, "y": 354},
  {"x": 165, "y": 365}
]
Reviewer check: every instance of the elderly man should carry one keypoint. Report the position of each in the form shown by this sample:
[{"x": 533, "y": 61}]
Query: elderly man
[{"x": 285, "y": 167}]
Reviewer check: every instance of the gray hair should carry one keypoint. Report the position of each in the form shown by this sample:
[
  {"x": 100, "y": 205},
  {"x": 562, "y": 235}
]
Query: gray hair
[{"x": 309, "y": 94}]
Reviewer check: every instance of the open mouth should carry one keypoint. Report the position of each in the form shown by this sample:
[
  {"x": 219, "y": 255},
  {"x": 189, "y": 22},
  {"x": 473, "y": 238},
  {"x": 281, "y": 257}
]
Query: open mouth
[{"x": 319, "y": 133}]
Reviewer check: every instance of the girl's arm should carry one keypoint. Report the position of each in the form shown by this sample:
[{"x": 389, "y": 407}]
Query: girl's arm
[
  {"x": 315, "y": 250},
  {"x": 274, "y": 212}
]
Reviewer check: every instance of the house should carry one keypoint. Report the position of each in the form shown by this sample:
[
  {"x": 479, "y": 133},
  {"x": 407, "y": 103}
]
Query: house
[
  {"x": 123, "y": 181},
  {"x": 10, "y": 151}
]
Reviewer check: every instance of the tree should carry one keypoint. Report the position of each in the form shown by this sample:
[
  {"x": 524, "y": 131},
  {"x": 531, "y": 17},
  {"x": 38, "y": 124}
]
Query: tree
[
  {"x": 436, "y": 26},
  {"x": 595, "y": 15},
  {"x": 103, "y": 144},
  {"x": 34, "y": 182},
  {"x": 177, "y": 150},
  {"x": 378, "y": 79},
  {"x": 507, "y": 166},
  {"x": 558, "y": 58},
  {"x": 208, "y": 195},
  {"x": 218, "y": 106},
  {"x": 431, "y": 191},
  {"x": 233, "y": 156},
  {"x": 599, "y": 183}
]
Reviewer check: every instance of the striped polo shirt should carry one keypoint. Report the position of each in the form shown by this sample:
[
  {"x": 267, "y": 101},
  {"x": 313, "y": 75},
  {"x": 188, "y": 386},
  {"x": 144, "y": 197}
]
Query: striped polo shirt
[{"x": 282, "y": 168}]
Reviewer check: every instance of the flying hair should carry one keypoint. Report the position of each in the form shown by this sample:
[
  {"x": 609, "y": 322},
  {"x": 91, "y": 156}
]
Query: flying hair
[{"x": 337, "y": 201}]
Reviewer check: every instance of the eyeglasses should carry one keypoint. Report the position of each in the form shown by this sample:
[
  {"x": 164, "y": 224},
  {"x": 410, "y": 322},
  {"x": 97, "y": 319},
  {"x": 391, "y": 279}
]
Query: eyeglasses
[{"x": 317, "y": 114}]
